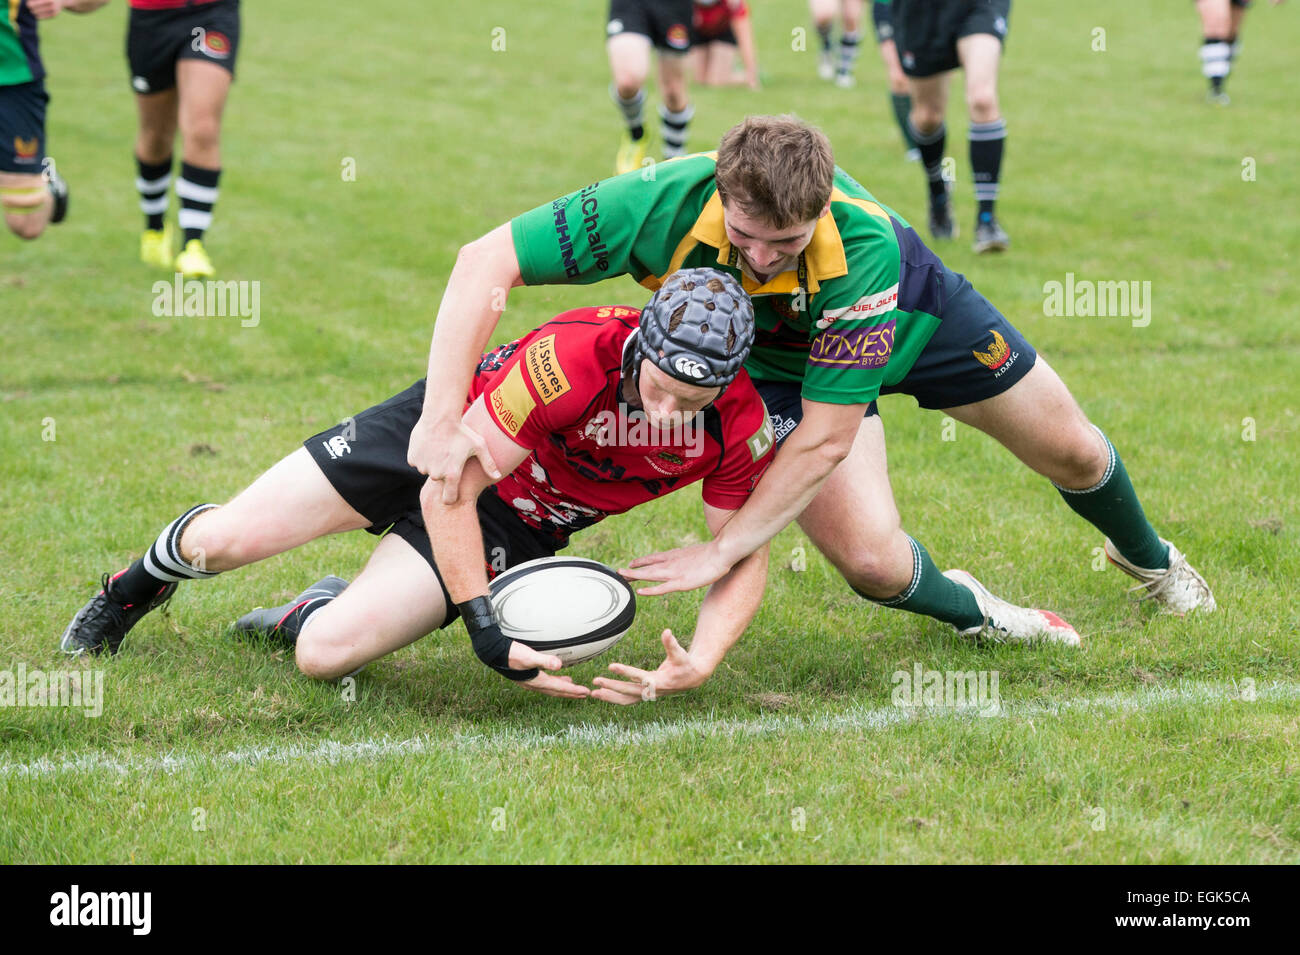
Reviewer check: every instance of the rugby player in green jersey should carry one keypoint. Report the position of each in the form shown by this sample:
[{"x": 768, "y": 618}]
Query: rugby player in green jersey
[
  {"x": 31, "y": 191},
  {"x": 849, "y": 304}
]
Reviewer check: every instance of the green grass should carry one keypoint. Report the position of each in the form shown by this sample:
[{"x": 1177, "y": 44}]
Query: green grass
[{"x": 1116, "y": 170}]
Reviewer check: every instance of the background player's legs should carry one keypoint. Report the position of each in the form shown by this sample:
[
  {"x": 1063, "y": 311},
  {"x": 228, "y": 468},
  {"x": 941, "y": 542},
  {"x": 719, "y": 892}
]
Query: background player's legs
[
  {"x": 854, "y": 521},
  {"x": 629, "y": 64},
  {"x": 899, "y": 96},
  {"x": 823, "y": 14},
  {"x": 153, "y": 160},
  {"x": 675, "y": 111},
  {"x": 1039, "y": 421},
  {"x": 980, "y": 55},
  {"x": 395, "y": 601},
  {"x": 1217, "y": 30},
  {"x": 929, "y": 101},
  {"x": 27, "y": 203},
  {"x": 718, "y": 62},
  {"x": 203, "y": 87},
  {"x": 850, "y": 42}
]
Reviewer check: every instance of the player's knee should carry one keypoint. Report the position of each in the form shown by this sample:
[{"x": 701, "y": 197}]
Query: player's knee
[
  {"x": 628, "y": 83},
  {"x": 202, "y": 134},
  {"x": 898, "y": 83},
  {"x": 925, "y": 117},
  {"x": 1082, "y": 461},
  {"x": 983, "y": 104},
  {"x": 877, "y": 572},
  {"x": 25, "y": 225},
  {"x": 320, "y": 655}
]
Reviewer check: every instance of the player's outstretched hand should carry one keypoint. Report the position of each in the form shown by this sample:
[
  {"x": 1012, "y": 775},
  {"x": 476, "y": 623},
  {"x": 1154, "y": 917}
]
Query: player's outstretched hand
[
  {"x": 441, "y": 451},
  {"x": 682, "y": 569},
  {"x": 524, "y": 657},
  {"x": 676, "y": 674}
]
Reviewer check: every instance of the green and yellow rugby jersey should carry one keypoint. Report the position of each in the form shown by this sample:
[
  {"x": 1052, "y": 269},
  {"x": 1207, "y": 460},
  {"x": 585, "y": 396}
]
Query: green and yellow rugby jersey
[
  {"x": 852, "y": 316},
  {"x": 20, "y": 58}
]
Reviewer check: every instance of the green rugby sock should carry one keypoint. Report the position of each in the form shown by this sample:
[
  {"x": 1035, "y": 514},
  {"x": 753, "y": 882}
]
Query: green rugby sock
[
  {"x": 934, "y": 595},
  {"x": 902, "y": 109},
  {"x": 1112, "y": 506}
]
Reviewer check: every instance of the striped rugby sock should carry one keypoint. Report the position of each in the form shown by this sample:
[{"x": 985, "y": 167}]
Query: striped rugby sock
[
  {"x": 197, "y": 190},
  {"x": 672, "y": 128},
  {"x": 633, "y": 111},
  {"x": 987, "y": 141},
  {"x": 161, "y": 564},
  {"x": 151, "y": 181}
]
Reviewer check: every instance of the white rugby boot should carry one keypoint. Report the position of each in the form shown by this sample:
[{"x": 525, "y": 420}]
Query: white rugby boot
[
  {"x": 1178, "y": 587},
  {"x": 1005, "y": 622}
]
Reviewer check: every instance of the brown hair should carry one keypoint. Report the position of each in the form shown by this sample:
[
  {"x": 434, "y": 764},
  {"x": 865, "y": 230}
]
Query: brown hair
[{"x": 776, "y": 168}]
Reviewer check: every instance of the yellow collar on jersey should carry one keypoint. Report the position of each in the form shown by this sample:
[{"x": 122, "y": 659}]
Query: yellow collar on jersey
[{"x": 823, "y": 259}]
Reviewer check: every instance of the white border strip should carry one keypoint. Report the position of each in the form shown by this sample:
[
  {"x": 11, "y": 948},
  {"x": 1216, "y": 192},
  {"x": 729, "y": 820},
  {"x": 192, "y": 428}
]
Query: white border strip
[{"x": 855, "y": 718}]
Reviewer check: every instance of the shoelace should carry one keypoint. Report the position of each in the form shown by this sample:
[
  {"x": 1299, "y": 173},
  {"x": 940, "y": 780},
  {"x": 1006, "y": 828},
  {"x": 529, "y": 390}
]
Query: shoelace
[{"x": 1151, "y": 589}]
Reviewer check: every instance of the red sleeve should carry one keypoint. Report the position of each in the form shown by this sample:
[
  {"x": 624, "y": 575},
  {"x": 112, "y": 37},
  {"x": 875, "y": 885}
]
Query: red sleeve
[
  {"x": 750, "y": 448},
  {"x": 550, "y": 381}
]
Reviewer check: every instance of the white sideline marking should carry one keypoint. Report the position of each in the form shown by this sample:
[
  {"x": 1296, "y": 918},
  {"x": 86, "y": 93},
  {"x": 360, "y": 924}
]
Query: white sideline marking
[{"x": 854, "y": 718}]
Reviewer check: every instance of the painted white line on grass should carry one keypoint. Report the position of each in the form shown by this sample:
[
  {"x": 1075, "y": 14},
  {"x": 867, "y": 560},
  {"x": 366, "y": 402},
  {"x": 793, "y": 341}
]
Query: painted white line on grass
[{"x": 854, "y": 718}]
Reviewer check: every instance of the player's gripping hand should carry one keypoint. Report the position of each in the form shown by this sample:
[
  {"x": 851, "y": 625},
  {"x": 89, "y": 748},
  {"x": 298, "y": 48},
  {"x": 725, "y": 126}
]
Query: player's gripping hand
[
  {"x": 678, "y": 673},
  {"x": 441, "y": 450},
  {"x": 524, "y": 657},
  {"x": 685, "y": 568}
]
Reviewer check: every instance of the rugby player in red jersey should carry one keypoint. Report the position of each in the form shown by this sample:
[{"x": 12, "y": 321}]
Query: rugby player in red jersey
[
  {"x": 593, "y": 413},
  {"x": 182, "y": 59}
]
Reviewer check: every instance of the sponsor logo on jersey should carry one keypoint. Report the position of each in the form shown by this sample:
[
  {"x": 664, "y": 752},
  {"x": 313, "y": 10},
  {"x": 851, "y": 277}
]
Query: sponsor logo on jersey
[
  {"x": 216, "y": 45},
  {"x": 336, "y": 447},
  {"x": 677, "y": 37},
  {"x": 781, "y": 426},
  {"x": 762, "y": 440},
  {"x": 544, "y": 368},
  {"x": 561, "y": 217},
  {"x": 868, "y": 347},
  {"x": 689, "y": 366},
  {"x": 669, "y": 463},
  {"x": 999, "y": 356},
  {"x": 866, "y": 307},
  {"x": 591, "y": 222},
  {"x": 25, "y": 149},
  {"x": 511, "y": 402}
]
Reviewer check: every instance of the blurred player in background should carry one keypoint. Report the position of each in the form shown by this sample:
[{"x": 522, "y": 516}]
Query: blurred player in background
[
  {"x": 182, "y": 59},
  {"x": 718, "y": 29},
  {"x": 830, "y": 66},
  {"x": 633, "y": 27},
  {"x": 899, "y": 97},
  {"x": 31, "y": 190},
  {"x": 935, "y": 37},
  {"x": 1221, "y": 28}
]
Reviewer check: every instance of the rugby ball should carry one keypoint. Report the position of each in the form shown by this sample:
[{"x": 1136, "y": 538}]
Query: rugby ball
[{"x": 572, "y": 607}]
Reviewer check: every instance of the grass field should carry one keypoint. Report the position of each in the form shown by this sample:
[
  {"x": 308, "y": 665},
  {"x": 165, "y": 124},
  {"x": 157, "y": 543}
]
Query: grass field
[{"x": 1163, "y": 740}]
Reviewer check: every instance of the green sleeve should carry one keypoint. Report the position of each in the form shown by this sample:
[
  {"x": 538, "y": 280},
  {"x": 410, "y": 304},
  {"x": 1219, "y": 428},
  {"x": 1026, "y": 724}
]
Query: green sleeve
[{"x": 627, "y": 225}]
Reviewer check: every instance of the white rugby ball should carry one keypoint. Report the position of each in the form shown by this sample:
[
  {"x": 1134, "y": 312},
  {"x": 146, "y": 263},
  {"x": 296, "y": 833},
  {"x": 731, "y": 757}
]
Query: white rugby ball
[{"x": 572, "y": 607}]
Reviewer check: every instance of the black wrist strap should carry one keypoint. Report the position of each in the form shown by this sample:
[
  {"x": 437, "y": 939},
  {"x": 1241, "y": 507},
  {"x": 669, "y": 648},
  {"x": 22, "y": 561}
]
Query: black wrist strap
[{"x": 490, "y": 644}]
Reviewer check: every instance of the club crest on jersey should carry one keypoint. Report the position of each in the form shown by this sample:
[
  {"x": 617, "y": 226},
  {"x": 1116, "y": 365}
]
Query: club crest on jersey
[
  {"x": 668, "y": 463},
  {"x": 854, "y": 347},
  {"x": 216, "y": 45},
  {"x": 26, "y": 149},
  {"x": 337, "y": 446},
  {"x": 868, "y": 306},
  {"x": 677, "y": 37}
]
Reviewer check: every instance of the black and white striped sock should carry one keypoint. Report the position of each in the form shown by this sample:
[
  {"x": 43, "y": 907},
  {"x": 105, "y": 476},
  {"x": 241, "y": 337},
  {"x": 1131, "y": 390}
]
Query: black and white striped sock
[
  {"x": 197, "y": 190},
  {"x": 1216, "y": 61},
  {"x": 162, "y": 563},
  {"x": 849, "y": 44},
  {"x": 987, "y": 141},
  {"x": 633, "y": 111},
  {"x": 672, "y": 128},
  {"x": 931, "y": 145},
  {"x": 151, "y": 181}
]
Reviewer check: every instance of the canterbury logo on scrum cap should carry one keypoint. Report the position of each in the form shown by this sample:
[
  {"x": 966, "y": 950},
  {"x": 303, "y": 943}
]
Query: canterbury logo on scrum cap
[{"x": 688, "y": 366}]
